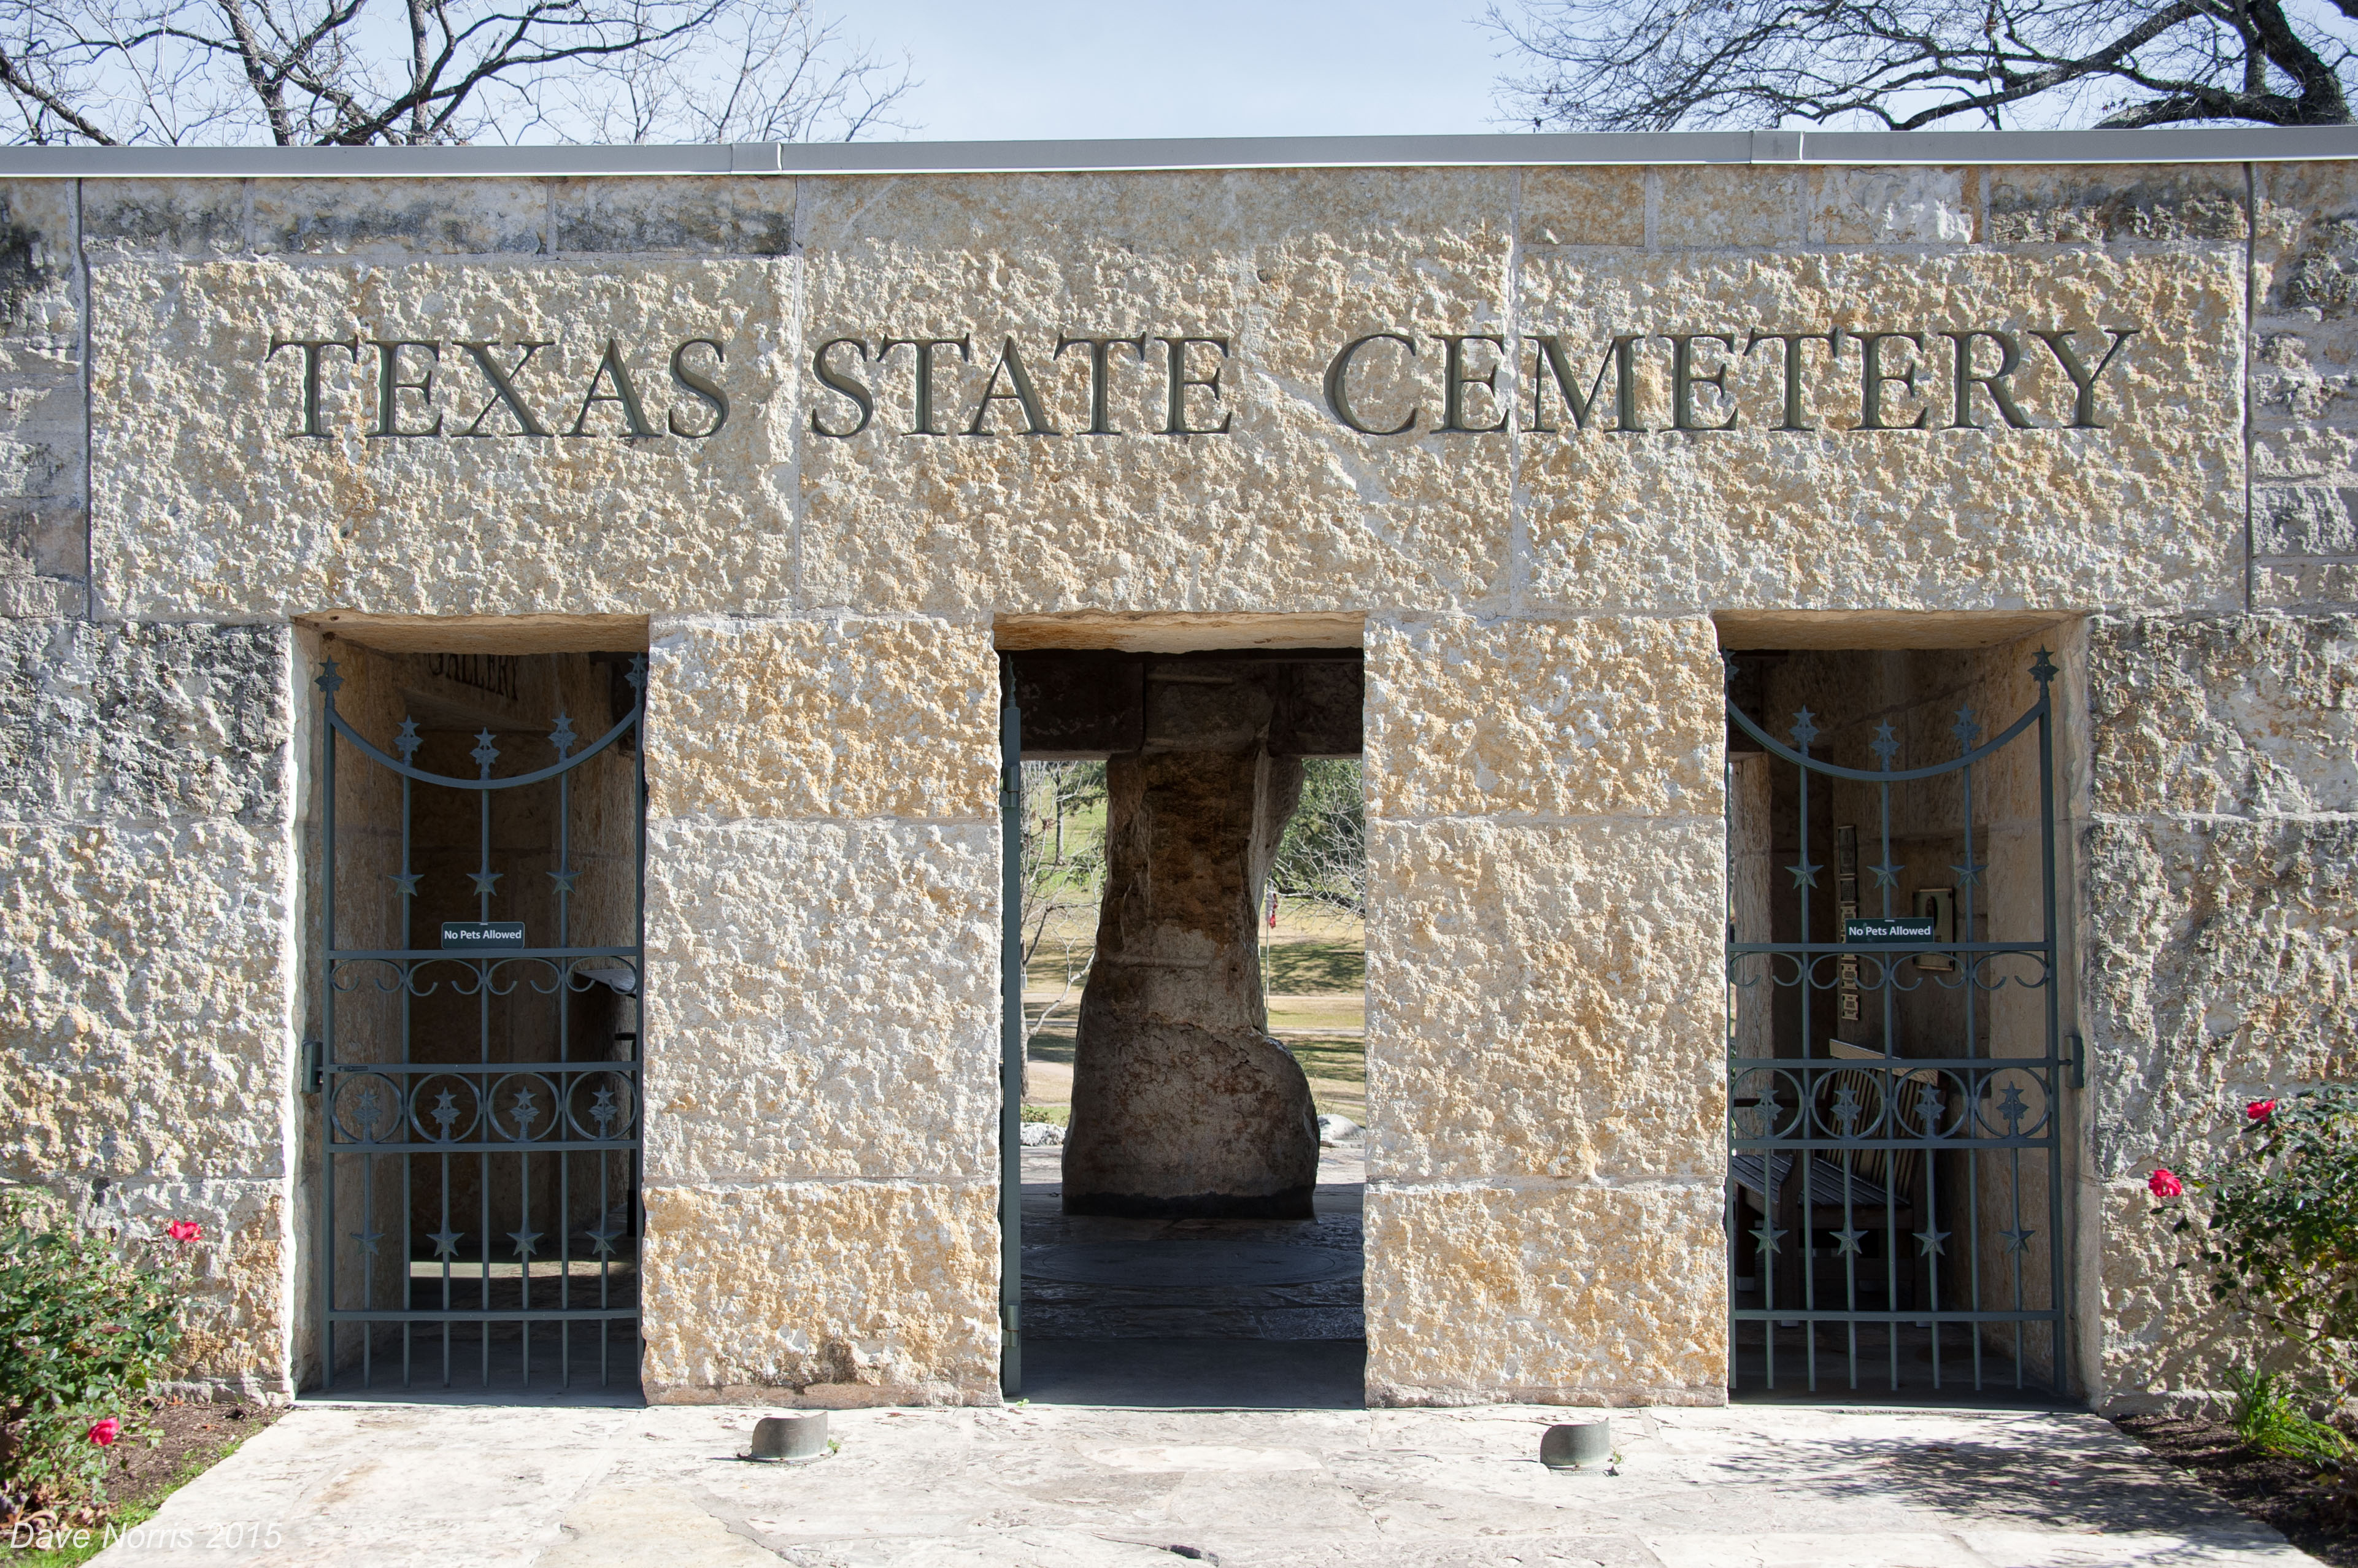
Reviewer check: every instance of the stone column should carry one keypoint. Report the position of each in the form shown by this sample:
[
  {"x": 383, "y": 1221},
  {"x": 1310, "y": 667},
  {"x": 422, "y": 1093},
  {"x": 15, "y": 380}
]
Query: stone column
[{"x": 1182, "y": 1103}]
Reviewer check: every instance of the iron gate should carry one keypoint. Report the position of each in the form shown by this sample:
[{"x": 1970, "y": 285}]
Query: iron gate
[
  {"x": 1896, "y": 1065},
  {"x": 480, "y": 1080}
]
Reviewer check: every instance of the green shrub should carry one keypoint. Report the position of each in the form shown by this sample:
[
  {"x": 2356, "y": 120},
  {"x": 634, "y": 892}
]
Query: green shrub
[
  {"x": 2282, "y": 1221},
  {"x": 83, "y": 1330},
  {"x": 1054, "y": 1115},
  {"x": 2269, "y": 1416}
]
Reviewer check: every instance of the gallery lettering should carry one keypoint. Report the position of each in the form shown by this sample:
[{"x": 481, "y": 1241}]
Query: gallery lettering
[
  {"x": 484, "y": 388},
  {"x": 1896, "y": 379},
  {"x": 1382, "y": 385}
]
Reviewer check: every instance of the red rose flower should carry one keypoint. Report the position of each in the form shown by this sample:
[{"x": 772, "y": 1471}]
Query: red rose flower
[
  {"x": 2260, "y": 1109},
  {"x": 184, "y": 1230},
  {"x": 2162, "y": 1184},
  {"x": 105, "y": 1431}
]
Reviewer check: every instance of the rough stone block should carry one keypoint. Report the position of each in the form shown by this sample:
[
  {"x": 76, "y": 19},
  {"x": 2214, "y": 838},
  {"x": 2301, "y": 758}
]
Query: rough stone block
[
  {"x": 1546, "y": 1001},
  {"x": 40, "y": 320},
  {"x": 2085, "y": 204},
  {"x": 2162, "y": 1342},
  {"x": 2305, "y": 248},
  {"x": 1546, "y": 1294},
  {"x": 143, "y": 722},
  {"x": 2305, "y": 520},
  {"x": 749, "y": 215},
  {"x": 788, "y": 718},
  {"x": 193, "y": 217},
  {"x": 829, "y": 1295},
  {"x": 404, "y": 218},
  {"x": 1285, "y": 510},
  {"x": 2306, "y": 585},
  {"x": 824, "y": 1001},
  {"x": 1571, "y": 206},
  {"x": 1894, "y": 206},
  {"x": 222, "y": 512},
  {"x": 144, "y": 1028},
  {"x": 2217, "y": 967},
  {"x": 236, "y": 1332},
  {"x": 1729, "y": 207},
  {"x": 2243, "y": 714},
  {"x": 1543, "y": 718},
  {"x": 2148, "y": 510}
]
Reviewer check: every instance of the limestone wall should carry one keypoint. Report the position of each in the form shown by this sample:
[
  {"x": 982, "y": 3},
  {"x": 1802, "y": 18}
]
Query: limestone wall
[
  {"x": 1544, "y": 734},
  {"x": 1546, "y": 878},
  {"x": 2221, "y": 868},
  {"x": 823, "y": 1012}
]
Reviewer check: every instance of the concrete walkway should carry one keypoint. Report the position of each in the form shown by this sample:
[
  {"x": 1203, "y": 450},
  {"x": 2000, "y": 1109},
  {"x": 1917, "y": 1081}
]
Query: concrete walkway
[{"x": 1068, "y": 1487}]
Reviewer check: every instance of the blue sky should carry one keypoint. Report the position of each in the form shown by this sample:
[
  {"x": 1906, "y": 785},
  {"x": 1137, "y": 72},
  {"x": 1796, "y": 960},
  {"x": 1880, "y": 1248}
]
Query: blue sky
[{"x": 1069, "y": 69}]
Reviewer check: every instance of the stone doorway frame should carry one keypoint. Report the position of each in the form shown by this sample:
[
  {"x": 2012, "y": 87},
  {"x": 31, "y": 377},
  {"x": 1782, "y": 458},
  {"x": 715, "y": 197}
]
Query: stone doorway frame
[
  {"x": 1086, "y": 632},
  {"x": 1987, "y": 634}
]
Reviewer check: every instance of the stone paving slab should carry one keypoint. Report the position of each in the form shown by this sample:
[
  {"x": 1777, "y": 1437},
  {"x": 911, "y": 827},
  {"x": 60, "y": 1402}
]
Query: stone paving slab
[{"x": 387, "y": 1486}]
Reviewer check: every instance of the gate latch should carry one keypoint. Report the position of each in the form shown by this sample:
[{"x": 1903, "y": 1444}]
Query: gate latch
[{"x": 315, "y": 1066}]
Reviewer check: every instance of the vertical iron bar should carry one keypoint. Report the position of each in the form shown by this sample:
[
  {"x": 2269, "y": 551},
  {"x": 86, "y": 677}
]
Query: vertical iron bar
[
  {"x": 1895, "y": 1087},
  {"x": 1010, "y": 1047},
  {"x": 1731, "y": 1207},
  {"x": 329, "y": 680},
  {"x": 1808, "y": 1109},
  {"x": 562, "y": 1108},
  {"x": 2044, "y": 672}
]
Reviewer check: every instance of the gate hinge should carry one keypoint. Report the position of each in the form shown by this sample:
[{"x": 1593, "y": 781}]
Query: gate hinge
[
  {"x": 1011, "y": 1317},
  {"x": 2077, "y": 1050},
  {"x": 315, "y": 1066}
]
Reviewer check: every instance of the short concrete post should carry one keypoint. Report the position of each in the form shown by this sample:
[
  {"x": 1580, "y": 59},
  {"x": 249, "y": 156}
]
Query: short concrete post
[{"x": 794, "y": 1439}]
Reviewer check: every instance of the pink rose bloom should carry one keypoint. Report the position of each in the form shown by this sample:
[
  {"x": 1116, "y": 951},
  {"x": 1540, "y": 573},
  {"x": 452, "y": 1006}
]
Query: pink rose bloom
[
  {"x": 184, "y": 1230},
  {"x": 2260, "y": 1109},
  {"x": 2162, "y": 1184},
  {"x": 105, "y": 1431}
]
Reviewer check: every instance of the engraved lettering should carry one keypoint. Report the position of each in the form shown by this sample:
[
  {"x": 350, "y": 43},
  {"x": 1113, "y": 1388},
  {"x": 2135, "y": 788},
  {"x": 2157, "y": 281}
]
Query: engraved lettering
[
  {"x": 503, "y": 392},
  {"x": 311, "y": 348},
  {"x": 706, "y": 389},
  {"x": 1339, "y": 384},
  {"x": 841, "y": 383}
]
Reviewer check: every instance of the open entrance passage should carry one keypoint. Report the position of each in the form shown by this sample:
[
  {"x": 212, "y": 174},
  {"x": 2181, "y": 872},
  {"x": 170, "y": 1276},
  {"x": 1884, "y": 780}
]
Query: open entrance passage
[
  {"x": 1897, "y": 1070},
  {"x": 1192, "y": 937},
  {"x": 473, "y": 1144}
]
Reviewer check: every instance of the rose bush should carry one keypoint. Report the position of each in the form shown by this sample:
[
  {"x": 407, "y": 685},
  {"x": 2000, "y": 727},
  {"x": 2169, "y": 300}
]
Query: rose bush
[
  {"x": 2281, "y": 1221},
  {"x": 83, "y": 1330}
]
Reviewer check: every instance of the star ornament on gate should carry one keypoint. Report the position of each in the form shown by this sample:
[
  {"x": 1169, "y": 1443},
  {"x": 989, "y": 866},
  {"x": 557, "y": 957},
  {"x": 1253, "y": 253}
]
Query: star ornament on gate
[
  {"x": 1931, "y": 1241},
  {"x": 2018, "y": 1239},
  {"x": 1768, "y": 1236},
  {"x": 1847, "y": 1242},
  {"x": 445, "y": 1241}
]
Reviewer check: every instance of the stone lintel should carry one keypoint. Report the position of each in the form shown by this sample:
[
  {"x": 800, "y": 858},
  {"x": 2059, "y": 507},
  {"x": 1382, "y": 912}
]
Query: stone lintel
[{"x": 1084, "y": 705}]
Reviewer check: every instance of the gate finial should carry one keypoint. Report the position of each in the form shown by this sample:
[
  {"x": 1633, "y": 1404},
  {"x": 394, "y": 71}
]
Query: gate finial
[{"x": 2045, "y": 670}]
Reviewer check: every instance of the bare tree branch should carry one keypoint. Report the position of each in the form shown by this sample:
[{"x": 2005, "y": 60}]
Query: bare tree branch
[
  {"x": 351, "y": 72},
  {"x": 1906, "y": 64}
]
